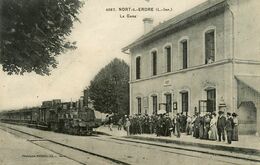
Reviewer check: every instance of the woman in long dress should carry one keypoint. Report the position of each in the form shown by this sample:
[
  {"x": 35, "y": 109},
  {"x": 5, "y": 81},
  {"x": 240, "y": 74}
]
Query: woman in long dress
[
  {"x": 206, "y": 126},
  {"x": 235, "y": 128},
  {"x": 201, "y": 126},
  {"x": 213, "y": 127},
  {"x": 189, "y": 125},
  {"x": 127, "y": 126}
]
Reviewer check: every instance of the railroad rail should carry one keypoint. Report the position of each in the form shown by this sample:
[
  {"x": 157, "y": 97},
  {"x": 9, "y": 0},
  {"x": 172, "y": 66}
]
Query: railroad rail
[{"x": 16, "y": 132}]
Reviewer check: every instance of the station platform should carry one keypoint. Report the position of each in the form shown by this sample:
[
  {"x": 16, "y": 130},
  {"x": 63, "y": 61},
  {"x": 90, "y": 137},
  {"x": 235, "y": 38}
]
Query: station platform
[{"x": 247, "y": 144}]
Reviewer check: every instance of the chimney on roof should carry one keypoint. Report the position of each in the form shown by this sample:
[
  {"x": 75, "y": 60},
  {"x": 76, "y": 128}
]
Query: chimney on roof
[{"x": 148, "y": 25}]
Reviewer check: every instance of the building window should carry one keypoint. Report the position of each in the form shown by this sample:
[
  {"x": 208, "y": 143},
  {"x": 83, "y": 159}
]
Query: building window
[
  {"x": 154, "y": 63},
  {"x": 168, "y": 59},
  {"x": 211, "y": 100},
  {"x": 154, "y": 104},
  {"x": 184, "y": 51},
  {"x": 139, "y": 105},
  {"x": 203, "y": 106},
  {"x": 210, "y": 46},
  {"x": 168, "y": 102},
  {"x": 185, "y": 102},
  {"x": 138, "y": 67}
]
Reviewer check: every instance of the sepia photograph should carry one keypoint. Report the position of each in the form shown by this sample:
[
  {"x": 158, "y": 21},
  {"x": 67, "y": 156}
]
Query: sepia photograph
[{"x": 129, "y": 82}]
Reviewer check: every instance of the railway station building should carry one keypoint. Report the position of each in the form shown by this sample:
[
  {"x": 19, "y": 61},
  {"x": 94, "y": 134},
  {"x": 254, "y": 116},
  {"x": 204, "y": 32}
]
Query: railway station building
[{"x": 204, "y": 60}]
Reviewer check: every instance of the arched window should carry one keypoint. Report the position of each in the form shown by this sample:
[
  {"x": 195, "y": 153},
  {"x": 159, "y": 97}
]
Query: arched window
[
  {"x": 209, "y": 103},
  {"x": 138, "y": 67},
  {"x": 168, "y": 56},
  {"x": 184, "y": 52},
  {"x": 184, "y": 102},
  {"x": 211, "y": 100},
  {"x": 154, "y": 63},
  {"x": 210, "y": 45},
  {"x": 154, "y": 103},
  {"x": 168, "y": 99},
  {"x": 139, "y": 105}
]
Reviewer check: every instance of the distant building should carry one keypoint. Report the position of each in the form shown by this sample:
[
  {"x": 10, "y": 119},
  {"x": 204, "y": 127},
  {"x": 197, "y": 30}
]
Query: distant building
[{"x": 205, "y": 59}]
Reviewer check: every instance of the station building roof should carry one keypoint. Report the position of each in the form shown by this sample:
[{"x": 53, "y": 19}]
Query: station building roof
[{"x": 178, "y": 22}]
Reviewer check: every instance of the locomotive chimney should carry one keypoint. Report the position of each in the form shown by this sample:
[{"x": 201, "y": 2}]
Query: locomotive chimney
[{"x": 148, "y": 25}]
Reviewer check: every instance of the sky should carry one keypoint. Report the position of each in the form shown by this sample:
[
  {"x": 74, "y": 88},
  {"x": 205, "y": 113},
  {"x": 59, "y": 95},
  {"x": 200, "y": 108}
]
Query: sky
[{"x": 100, "y": 35}]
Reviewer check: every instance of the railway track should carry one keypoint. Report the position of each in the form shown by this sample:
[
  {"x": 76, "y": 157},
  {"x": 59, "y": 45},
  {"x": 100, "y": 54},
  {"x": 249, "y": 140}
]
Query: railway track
[
  {"x": 185, "y": 151},
  {"x": 78, "y": 155},
  {"x": 59, "y": 147}
]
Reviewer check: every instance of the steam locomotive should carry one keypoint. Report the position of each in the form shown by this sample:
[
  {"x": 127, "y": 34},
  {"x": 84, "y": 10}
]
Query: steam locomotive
[{"x": 65, "y": 117}]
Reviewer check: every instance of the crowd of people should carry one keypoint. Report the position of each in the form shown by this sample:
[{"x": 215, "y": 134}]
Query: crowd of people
[{"x": 209, "y": 126}]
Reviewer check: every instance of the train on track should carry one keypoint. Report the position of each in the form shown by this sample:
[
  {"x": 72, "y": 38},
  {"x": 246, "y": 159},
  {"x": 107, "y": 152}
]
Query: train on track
[{"x": 54, "y": 115}]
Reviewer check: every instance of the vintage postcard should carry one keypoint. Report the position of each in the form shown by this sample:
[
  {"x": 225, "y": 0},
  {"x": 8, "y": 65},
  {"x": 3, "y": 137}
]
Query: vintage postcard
[{"x": 142, "y": 82}]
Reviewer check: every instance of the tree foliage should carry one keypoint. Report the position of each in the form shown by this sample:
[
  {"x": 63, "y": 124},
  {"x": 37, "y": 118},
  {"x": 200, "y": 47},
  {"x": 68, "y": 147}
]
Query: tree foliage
[
  {"x": 109, "y": 90},
  {"x": 34, "y": 32}
]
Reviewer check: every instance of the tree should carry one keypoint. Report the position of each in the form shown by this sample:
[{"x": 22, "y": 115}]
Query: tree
[
  {"x": 34, "y": 32},
  {"x": 109, "y": 90}
]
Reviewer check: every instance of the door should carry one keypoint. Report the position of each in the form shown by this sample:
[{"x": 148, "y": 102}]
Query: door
[
  {"x": 211, "y": 100},
  {"x": 168, "y": 102}
]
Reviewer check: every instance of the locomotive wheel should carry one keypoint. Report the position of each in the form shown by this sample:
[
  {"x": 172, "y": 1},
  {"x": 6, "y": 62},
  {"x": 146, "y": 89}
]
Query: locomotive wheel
[
  {"x": 75, "y": 130},
  {"x": 89, "y": 131},
  {"x": 71, "y": 130},
  {"x": 81, "y": 131}
]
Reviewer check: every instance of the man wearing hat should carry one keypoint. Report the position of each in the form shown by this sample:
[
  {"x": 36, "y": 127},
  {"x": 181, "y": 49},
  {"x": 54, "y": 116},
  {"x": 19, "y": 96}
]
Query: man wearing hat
[
  {"x": 178, "y": 125},
  {"x": 229, "y": 127},
  {"x": 168, "y": 125},
  {"x": 221, "y": 123}
]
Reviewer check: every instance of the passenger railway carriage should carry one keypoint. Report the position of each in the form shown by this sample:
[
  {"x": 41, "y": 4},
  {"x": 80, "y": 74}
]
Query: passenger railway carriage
[{"x": 66, "y": 117}]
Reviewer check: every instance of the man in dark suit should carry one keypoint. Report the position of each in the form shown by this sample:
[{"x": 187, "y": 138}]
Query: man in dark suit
[
  {"x": 196, "y": 126},
  {"x": 229, "y": 127},
  {"x": 221, "y": 123},
  {"x": 178, "y": 125}
]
